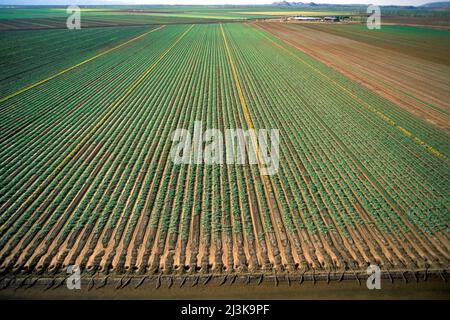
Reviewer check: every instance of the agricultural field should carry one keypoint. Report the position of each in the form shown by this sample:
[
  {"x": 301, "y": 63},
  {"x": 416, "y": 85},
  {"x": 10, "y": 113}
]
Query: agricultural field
[
  {"x": 29, "y": 18},
  {"x": 392, "y": 61},
  {"x": 87, "y": 177},
  {"x": 28, "y": 58}
]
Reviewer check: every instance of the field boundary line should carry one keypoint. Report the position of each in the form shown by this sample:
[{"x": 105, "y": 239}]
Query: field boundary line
[
  {"x": 78, "y": 65},
  {"x": 384, "y": 117}
]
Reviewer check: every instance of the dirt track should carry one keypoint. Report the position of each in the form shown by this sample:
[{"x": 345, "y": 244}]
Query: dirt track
[{"x": 415, "y": 84}]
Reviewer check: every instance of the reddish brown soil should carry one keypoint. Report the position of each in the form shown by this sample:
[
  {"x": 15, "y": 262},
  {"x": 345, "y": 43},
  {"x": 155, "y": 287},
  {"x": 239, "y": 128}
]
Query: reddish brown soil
[{"x": 417, "y": 85}]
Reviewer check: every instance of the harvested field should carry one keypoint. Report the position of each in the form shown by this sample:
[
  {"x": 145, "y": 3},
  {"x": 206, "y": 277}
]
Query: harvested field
[{"x": 433, "y": 288}]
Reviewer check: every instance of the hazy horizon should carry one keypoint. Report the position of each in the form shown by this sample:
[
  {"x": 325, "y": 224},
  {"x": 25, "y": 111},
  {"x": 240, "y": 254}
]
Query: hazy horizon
[{"x": 205, "y": 2}]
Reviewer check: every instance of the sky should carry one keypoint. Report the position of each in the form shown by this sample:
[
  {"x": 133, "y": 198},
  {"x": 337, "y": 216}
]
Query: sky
[{"x": 211, "y": 2}]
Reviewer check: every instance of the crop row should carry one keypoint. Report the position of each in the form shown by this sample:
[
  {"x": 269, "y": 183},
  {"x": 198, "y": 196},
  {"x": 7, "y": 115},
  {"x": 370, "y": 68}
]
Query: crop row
[{"x": 88, "y": 178}]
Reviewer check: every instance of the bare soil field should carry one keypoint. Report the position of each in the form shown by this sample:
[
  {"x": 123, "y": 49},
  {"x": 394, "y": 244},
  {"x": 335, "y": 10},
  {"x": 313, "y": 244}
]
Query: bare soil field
[
  {"x": 430, "y": 44},
  {"x": 433, "y": 288},
  {"x": 410, "y": 79}
]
